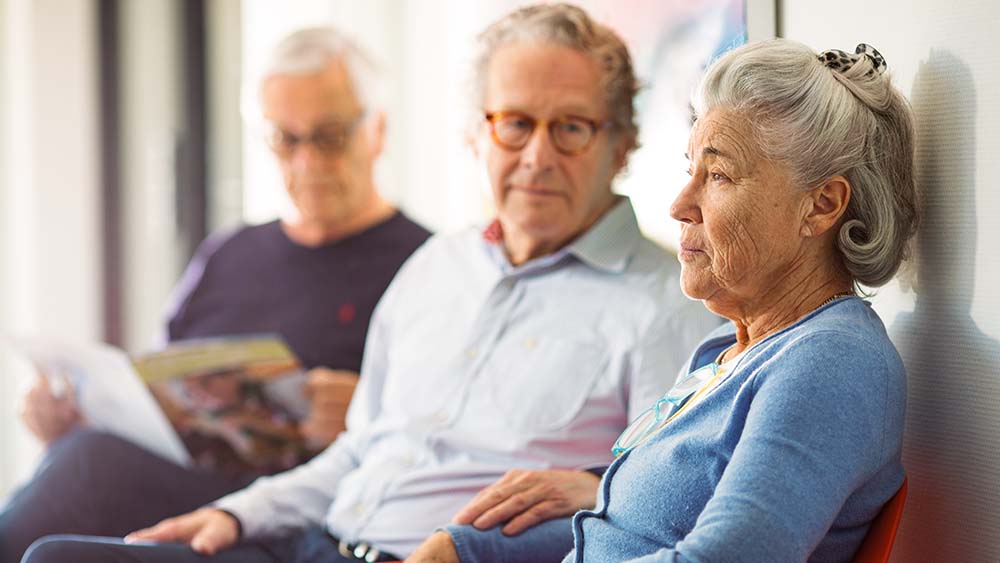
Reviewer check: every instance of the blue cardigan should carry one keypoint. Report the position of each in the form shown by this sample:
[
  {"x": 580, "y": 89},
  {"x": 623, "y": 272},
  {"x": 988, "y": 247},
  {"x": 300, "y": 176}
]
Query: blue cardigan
[{"x": 788, "y": 459}]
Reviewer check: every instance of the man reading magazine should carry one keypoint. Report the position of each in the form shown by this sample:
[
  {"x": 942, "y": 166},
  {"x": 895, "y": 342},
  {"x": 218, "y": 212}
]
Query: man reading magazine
[{"x": 313, "y": 277}]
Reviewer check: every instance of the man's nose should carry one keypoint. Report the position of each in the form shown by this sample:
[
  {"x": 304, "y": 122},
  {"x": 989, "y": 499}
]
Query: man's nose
[
  {"x": 540, "y": 152},
  {"x": 305, "y": 156}
]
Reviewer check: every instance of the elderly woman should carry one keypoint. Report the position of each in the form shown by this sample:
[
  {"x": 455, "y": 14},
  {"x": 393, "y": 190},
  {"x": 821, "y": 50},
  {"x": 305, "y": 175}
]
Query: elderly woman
[{"x": 783, "y": 440}]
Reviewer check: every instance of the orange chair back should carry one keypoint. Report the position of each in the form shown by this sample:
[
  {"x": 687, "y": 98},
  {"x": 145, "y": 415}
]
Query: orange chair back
[{"x": 878, "y": 543}]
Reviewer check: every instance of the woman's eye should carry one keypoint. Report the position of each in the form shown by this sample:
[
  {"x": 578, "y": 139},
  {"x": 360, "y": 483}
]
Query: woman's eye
[{"x": 716, "y": 177}]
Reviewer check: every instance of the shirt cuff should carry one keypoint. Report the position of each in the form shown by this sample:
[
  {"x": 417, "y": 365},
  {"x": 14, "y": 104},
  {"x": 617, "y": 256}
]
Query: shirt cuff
[
  {"x": 240, "y": 506},
  {"x": 460, "y": 537},
  {"x": 239, "y": 525}
]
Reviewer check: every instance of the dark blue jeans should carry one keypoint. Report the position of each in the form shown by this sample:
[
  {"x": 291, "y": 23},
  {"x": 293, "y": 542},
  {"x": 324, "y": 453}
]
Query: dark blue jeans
[
  {"x": 97, "y": 484},
  {"x": 312, "y": 546}
]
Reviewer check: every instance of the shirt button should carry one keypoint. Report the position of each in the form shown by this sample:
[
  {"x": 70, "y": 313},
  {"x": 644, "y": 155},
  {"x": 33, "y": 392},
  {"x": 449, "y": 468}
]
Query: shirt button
[
  {"x": 441, "y": 416},
  {"x": 472, "y": 353},
  {"x": 530, "y": 343},
  {"x": 359, "y": 509}
]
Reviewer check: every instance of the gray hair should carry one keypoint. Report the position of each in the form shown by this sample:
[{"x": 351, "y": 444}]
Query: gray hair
[
  {"x": 822, "y": 123},
  {"x": 571, "y": 27},
  {"x": 311, "y": 50}
]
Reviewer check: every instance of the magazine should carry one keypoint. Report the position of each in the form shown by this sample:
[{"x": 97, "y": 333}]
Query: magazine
[{"x": 230, "y": 405}]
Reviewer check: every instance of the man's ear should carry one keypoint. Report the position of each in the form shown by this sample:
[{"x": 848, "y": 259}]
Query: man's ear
[
  {"x": 624, "y": 144},
  {"x": 825, "y": 206},
  {"x": 472, "y": 140},
  {"x": 376, "y": 133}
]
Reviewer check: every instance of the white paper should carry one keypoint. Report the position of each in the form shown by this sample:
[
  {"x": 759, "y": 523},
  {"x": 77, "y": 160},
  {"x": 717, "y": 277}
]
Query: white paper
[{"x": 108, "y": 391}]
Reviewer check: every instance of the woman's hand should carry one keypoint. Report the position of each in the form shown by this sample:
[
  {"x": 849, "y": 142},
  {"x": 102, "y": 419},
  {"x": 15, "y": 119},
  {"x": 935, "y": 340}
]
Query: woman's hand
[
  {"x": 439, "y": 548},
  {"x": 207, "y": 530},
  {"x": 47, "y": 416},
  {"x": 329, "y": 392}
]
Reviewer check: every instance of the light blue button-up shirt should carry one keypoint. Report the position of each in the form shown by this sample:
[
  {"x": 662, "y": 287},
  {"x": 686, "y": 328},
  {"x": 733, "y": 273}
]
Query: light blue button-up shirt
[{"x": 474, "y": 367}]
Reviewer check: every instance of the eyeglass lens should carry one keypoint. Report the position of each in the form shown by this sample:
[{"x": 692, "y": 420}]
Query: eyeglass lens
[
  {"x": 330, "y": 138},
  {"x": 642, "y": 425},
  {"x": 649, "y": 419},
  {"x": 569, "y": 134},
  {"x": 690, "y": 383}
]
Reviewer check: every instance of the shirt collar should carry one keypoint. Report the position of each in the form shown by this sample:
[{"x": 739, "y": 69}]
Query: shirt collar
[
  {"x": 610, "y": 243},
  {"x": 607, "y": 245}
]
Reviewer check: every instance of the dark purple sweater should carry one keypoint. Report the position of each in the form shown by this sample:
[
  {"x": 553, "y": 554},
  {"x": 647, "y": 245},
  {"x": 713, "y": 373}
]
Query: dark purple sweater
[{"x": 319, "y": 299}]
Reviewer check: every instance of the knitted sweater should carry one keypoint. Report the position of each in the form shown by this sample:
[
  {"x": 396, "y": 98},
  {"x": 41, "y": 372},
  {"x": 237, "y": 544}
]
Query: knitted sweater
[{"x": 789, "y": 458}]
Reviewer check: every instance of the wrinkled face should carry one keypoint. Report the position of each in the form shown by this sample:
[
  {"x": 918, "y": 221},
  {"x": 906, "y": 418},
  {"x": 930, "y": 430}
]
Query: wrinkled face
[
  {"x": 742, "y": 219},
  {"x": 539, "y": 192},
  {"x": 326, "y": 184}
]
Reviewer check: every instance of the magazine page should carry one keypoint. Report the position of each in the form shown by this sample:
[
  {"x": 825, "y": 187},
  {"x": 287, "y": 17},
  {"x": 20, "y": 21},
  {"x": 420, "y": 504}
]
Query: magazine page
[
  {"x": 234, "y": 401},
  {"x": 108, "y": 392}
]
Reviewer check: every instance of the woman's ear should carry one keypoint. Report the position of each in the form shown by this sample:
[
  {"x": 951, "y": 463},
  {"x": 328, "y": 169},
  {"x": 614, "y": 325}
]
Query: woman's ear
[{"x": 825, "y": 206}]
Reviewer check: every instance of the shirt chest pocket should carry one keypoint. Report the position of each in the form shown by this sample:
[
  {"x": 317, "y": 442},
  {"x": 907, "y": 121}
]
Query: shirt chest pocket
[
  {"x": 425, "y": 372},
  {"x": 542, "y": 384}
]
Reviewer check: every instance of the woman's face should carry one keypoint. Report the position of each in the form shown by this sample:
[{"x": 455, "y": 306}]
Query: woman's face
[{"x": 742, "y": 220}]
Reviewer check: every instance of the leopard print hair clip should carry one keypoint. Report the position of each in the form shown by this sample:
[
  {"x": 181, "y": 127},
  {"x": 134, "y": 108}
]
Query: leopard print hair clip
[{"x": 841, "y": 61}]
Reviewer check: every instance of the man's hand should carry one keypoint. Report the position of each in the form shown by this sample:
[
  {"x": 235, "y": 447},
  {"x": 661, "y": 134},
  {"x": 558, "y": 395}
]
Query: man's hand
[
  {"x": 208, "y": 530},
  {"x": 329, "y": 393},
  {"x": 439, "y": 548},
  {"x": 49, "y": 417},
  {"x": 525, "y": 498}
]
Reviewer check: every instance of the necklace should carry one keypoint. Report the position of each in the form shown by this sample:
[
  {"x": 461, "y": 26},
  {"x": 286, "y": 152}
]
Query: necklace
[
  {"x": 722, "y": 355},
  {"x": 836, "y": 296}
]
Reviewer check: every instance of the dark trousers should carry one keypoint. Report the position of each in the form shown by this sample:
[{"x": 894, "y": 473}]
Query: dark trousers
[
  {"x": 312, "y": 546},
  {"x": 94, "y": 483}
]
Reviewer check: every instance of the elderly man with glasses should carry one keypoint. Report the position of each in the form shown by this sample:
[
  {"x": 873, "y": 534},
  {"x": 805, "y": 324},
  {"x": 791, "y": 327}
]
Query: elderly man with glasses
[
  {"x": 314, "y": 277},
  {"x": 503, "y": 361}
]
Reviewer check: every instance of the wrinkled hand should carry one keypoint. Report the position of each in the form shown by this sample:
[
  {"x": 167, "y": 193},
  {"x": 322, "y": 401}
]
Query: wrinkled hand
[
  {"x": 329, "y": 392},
  {"x": 439, "y": 548},
  {"x": 49, "y": 417},
  {"x": 525, "y": 498},
  {"x": 207, "y": 530}
]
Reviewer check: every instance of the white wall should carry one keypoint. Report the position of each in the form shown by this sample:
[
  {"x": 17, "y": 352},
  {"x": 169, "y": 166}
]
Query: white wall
[
  {"x": 6, "y": 402},
  {"x": 944, "y": 57},
  {"x": 150, "y": 90},
  {"x": 49, "y": 226},
  {"x": 224, "y": 77}
]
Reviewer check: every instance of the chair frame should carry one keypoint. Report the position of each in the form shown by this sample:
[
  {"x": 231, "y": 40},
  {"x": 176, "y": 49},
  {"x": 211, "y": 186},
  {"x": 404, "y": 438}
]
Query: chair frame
[{"x": 877, "y": 545}]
